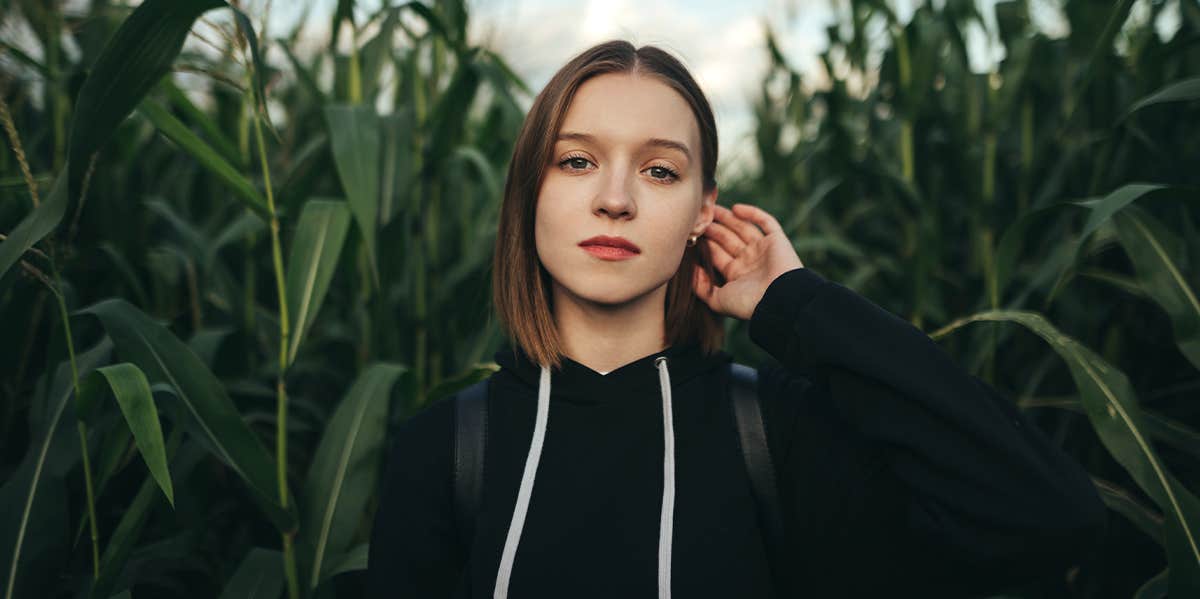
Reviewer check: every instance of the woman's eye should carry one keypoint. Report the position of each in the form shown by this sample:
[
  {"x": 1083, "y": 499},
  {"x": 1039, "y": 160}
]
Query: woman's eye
[
  {"x": 575, "y": 162},
  {"x": 578, "y": 163},
  {"x": 662, "y": 172}
]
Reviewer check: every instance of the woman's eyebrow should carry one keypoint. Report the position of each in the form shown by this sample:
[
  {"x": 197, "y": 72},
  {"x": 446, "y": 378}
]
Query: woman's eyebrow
[{"x": 653, "y": 141}]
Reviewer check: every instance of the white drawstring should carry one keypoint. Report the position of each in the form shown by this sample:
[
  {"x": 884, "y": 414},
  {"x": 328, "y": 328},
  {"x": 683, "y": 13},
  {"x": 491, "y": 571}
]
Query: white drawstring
[
  {"x": 666, "y": 523},
  {"x": 667, "y": 517},
  {"x": 531, "y": 463}
]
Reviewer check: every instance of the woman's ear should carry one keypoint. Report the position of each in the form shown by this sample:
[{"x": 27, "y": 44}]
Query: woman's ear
[{"x": 708, "y": 211}]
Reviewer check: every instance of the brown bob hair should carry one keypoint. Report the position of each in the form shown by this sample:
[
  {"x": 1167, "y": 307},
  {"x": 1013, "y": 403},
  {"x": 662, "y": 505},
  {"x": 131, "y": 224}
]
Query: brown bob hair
[{"x": 520, "y": 284}]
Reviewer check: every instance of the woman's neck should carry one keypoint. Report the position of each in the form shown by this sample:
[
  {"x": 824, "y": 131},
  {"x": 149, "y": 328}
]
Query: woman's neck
[{"x": 605, "y": 337}]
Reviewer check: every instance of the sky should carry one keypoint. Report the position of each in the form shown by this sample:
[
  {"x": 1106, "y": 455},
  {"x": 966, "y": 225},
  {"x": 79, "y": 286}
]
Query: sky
[{"x": 720, "y": 41}]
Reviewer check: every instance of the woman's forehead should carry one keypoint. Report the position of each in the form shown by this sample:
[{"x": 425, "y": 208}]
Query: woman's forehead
[{"x": 619, "y": 108}]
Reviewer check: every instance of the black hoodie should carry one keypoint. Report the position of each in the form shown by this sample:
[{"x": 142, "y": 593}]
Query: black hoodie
[{"x": 899, "y": 474}]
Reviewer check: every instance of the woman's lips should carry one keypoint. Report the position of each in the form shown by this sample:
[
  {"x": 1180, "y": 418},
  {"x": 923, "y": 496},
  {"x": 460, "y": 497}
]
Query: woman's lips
[{"x": 606, "y": 252}]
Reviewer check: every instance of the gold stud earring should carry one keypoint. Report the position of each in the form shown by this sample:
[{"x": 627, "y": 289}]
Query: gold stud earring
[{"x": 691, "y": 241}]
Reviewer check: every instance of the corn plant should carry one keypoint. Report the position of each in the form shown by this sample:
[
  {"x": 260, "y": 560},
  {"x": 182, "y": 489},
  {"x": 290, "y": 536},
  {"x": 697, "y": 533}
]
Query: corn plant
[
  {"x": 1052, "y": 195},
  {"x": 242, "y": 296}
]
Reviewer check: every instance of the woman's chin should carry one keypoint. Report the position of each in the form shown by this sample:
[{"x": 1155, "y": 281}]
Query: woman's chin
[{"x": 609, "y": 290}]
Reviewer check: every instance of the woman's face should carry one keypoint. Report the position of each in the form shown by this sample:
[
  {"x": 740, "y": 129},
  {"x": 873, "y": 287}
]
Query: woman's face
[{"x": 626, "y": 164}]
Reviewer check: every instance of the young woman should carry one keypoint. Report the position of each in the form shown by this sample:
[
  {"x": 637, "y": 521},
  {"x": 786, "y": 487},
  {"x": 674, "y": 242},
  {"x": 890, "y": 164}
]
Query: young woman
[{"x": 613, "y": 467}]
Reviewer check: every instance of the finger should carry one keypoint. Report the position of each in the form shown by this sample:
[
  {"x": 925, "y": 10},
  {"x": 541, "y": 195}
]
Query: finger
[
  {"x": 701, "y": 283},
  {"x": 721, "y": 259},
  {"x": 725, "y": 237},
  {"x": 758, "y": 216},
  {"x": 704, "y": 288},
  {"x": 745, "y": 230}
]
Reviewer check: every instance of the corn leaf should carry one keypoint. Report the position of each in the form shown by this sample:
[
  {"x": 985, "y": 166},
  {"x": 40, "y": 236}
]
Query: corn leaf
[
  {"x": 247, "y": 30},
  {"x": 1124, "y": 503},
  {"x": 353, "y": 560},
  {"x": 36, "y": 225},
  {"x": 112, "y": 453},
  {"x": 1155, "y": 253},
  {"x": 179, "y": 133},
  {"x": 134, "y": 516},
  {"x": 259, "y": 575},
  {"x": 1113, "y": 409},
  {"x": 446, "y": 119},
  {"x": 312, "y": 262},
  {"x": 163, "y": 357},
  {"x": 138, "y": 55},
  {"x": 129, "y": 386},
  {"x": 197, "y": 117},
  {"x": 1179, "y": 91},
  {"x": 1155, "y": 588},
  {"x": 344, "y": 469},
  {"x": 354, "y": 135},
  {"x": 32, "y": 498}
]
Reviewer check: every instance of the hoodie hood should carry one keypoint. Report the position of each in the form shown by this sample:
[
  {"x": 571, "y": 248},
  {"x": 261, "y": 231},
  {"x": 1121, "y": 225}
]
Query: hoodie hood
[{"x": 578, "y": 383}]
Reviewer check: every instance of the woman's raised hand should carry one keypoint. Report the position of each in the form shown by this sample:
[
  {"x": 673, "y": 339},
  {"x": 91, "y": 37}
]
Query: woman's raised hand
[{"x": 750, "y": 249}]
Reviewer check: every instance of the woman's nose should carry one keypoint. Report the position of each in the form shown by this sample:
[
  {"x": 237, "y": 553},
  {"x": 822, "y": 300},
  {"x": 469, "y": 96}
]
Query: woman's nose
[{"x": 615, "y": 196}]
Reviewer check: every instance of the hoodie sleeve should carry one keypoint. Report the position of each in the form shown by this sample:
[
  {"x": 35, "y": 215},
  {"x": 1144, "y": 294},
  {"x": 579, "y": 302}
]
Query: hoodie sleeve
[
  {"x": 899, "y": 469},
  {"x": 414, "y": 549}
]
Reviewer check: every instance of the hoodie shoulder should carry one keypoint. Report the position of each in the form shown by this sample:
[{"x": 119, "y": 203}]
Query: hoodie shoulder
[
  {"x": 421, "y": 448},
  {"x": 433, "y": 423},
  {"x": 414, "y": 549},
  {"x": 426, "y": 438}
]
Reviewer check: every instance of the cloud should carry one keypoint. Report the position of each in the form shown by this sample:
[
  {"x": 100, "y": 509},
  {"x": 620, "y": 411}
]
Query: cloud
[{"x": 721, "y": 43}]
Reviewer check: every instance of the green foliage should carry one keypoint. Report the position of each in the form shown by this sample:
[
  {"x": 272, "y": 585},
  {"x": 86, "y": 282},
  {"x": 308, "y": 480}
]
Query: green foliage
[
  {"x": 260, "y": 574},
  {"x": 214, "y": 420},
  {"x": 172, "y": 229},
  {"x": 1112, "y": 406},
  {"x": 314, "y": 258},
  {"x": 39, "y": 223},
  {"x": 1056, "y": 190},
  {"x": 177, "y": 132},
  {"x": 354, "y": 139},
  {"x": 129, "y": 386},
  {"x": 135, "y": 60},
  {"x": 343, "y": 475}
]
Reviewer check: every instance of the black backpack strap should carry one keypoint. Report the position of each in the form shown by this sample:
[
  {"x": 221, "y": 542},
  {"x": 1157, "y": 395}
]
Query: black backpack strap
[
  {"x": 752, "y": 437},
  {"x": 470, "y": 444}
]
